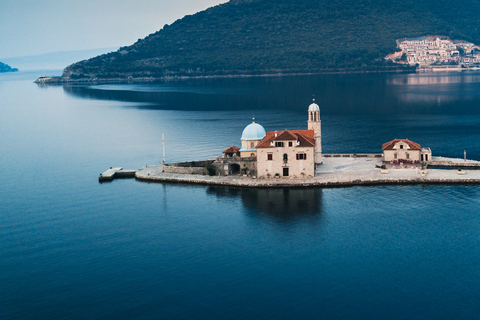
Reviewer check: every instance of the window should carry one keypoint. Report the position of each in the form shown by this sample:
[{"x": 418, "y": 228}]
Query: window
[
  {"x": 395, "y": 156},
  {"x": 269, "y": 156},
  {"x": 285, "y": 157},
  {"x": 290, "y": 143},
  {"x": 301, "y": 156},
  {"x": 285, "y": 172},
  {"x": 252, "y": 145},
  {"x": 407, "y": 155},
  {"x": 401, "y": 146},
  {"x": 279, "y": 144}
]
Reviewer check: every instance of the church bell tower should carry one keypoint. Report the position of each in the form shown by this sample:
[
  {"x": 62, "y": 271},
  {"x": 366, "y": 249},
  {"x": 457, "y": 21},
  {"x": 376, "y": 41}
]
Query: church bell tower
[{"x": 315, "y": 124}]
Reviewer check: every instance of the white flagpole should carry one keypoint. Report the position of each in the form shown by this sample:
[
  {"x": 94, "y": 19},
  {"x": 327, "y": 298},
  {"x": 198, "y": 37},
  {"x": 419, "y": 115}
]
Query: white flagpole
[{"x": 163, "y": 143}]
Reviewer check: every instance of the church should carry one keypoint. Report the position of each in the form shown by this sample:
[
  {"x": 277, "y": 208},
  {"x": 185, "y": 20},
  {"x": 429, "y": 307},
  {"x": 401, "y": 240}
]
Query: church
[{"x": 276, "y": 154}]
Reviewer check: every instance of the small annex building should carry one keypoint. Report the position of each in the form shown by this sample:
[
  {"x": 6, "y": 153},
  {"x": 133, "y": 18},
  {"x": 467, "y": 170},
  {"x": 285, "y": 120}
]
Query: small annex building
[{"x": 405, "y": 151}]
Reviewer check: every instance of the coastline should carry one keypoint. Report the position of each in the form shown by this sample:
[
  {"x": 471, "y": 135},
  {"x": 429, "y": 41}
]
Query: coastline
[
  {"x": 60, "y": 80},
  {"x": 334, "y": 172}
]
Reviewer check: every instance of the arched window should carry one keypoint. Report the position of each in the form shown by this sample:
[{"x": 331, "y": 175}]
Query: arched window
[{"x": 285, "y": 157}]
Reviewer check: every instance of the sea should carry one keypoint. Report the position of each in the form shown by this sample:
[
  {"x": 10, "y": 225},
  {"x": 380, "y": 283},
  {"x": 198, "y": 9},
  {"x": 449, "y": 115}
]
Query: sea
[{"x": 74, "y": 248}]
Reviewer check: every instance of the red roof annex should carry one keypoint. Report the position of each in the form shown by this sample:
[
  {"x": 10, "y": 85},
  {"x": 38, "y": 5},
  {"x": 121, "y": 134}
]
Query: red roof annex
[
  {"x": 389, "y": 145},
  {"x": 231, "y": 149}
]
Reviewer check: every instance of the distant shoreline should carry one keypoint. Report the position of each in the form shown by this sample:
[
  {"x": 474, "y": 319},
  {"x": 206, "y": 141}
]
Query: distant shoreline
[{"x": 61, "y": 80}]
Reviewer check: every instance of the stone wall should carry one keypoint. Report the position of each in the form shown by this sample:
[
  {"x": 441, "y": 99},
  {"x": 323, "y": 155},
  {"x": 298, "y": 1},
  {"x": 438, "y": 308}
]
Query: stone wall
[
  {"x": 184, "y": 170},
  {"x": 224, "y": 165},
  {"x": 189, "y": 167}
]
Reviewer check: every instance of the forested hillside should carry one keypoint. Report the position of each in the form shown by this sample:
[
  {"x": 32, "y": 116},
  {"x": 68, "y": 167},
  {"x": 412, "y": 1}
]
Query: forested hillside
[
  {"x": 285, "y": 36},
  {"x": 6, "y": 68}
]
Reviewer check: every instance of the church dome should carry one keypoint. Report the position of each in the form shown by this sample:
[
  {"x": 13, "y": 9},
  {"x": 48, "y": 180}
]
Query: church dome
[
  {"x": 253, "y": 131},
  {"x": 314, "y": 106}
]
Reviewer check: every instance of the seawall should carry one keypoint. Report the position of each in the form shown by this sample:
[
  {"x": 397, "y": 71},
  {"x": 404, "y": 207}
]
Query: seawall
[{"x": 334, "y": 172}]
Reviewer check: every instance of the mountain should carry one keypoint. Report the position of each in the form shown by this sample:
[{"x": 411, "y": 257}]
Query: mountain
[
  {"x": 6, "y": 68},
  {"x": 54, "y": 60},
  {"x": 284, "y": 36}
]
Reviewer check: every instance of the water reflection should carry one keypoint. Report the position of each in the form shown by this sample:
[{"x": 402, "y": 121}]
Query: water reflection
[
  {"x": 434, "y": 79},
  {"x": 281, "y": 204},
  {"x": 452, "y": 93}
]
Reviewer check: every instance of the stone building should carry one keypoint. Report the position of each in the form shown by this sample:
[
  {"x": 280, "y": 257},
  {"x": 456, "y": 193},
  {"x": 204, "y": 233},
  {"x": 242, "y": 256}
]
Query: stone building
[
  {"x": 405, "y": 151},
  {"x": 243, "y": 160},
  {"x": 292, "y": 153},
  {"x": 288, "y": 153}
]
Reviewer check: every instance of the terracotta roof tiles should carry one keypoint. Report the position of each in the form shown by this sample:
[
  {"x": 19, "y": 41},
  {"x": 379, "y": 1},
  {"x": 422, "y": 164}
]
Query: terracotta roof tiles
[
  {"x": 389, "y": 145},
  {"x": 231, "y": 149},
  {"x": 304, "y": 137}
]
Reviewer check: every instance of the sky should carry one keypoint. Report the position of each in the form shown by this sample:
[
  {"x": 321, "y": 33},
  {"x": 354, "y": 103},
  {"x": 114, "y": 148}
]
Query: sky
[{"x": 32, "y": 27}]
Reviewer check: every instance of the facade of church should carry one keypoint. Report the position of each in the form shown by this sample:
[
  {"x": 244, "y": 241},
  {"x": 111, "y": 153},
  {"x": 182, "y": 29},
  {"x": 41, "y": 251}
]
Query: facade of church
[{"x": 276, "y": 154}]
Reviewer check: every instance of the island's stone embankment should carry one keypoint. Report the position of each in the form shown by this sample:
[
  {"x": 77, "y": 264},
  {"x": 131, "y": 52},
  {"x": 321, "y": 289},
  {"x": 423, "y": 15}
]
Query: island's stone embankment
[
  {"x": 193, "y": 167},
  {"x": 334, "y": 172}
]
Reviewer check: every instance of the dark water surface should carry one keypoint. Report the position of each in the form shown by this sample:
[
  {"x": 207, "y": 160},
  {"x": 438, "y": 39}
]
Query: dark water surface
[{"x": 72, "y": 248}]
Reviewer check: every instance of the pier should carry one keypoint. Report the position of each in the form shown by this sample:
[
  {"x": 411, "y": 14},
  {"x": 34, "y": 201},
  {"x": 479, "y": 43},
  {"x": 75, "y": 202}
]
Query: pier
[{"x": 114, "y": 173}]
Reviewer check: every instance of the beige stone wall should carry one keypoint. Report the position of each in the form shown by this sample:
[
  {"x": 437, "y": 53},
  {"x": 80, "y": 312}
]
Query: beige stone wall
[
  {"x": 248, "y": 145},
  {"x": 276, "y": 165},
  {"x": 389, "y": 155},
  {"x": 315, "y": 124}
]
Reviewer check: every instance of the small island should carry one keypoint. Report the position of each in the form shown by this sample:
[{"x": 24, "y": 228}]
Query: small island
[
  {"x": 294, "y": 158},
  {"x": 6, "y": 68}
]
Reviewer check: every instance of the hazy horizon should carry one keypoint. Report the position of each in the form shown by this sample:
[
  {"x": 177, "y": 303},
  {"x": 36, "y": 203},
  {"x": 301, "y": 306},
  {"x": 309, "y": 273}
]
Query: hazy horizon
[{"x": 30, "y": 28}]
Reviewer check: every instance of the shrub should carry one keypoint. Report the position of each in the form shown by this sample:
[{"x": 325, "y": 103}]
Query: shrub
[{"x": 210, "y": 169}]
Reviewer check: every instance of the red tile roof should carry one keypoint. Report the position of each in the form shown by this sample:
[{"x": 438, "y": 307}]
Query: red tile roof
[
  {"x": 231, "y": 149},
  {"x": 285, "y": 135},
  {"x": 304, "y": 137},
  {"x": 389, "y": 145}
]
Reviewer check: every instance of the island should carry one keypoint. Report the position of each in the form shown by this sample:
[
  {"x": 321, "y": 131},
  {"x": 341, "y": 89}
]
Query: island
[
  {"x": 6, "y": 68},
  {"x": 294, "y": 158}
]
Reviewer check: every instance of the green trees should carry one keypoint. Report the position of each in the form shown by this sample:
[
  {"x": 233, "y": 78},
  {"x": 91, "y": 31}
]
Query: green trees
[
  {"x": 6, "y": 68},
  {"x": 285, "y": 36}
]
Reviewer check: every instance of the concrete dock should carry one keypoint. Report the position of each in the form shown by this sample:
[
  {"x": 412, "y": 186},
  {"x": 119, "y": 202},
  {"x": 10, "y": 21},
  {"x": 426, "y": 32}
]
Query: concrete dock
[
  {"x": 117, "y": 172},
  {"x": 334, "y": 172}
]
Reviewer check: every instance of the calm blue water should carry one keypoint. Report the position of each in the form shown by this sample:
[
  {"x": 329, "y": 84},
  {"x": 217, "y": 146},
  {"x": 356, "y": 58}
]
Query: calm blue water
[{"x": 72, "y": 248}]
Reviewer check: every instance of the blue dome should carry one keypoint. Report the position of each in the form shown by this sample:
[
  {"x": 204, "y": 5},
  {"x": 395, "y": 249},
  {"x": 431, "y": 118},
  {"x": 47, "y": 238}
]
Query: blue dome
[{"x": 253, "y": 131}]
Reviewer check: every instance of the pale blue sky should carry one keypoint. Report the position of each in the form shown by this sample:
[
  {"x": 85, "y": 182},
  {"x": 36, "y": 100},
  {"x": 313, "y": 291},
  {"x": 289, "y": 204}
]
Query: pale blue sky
[{"x": 31, "y": 27}]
